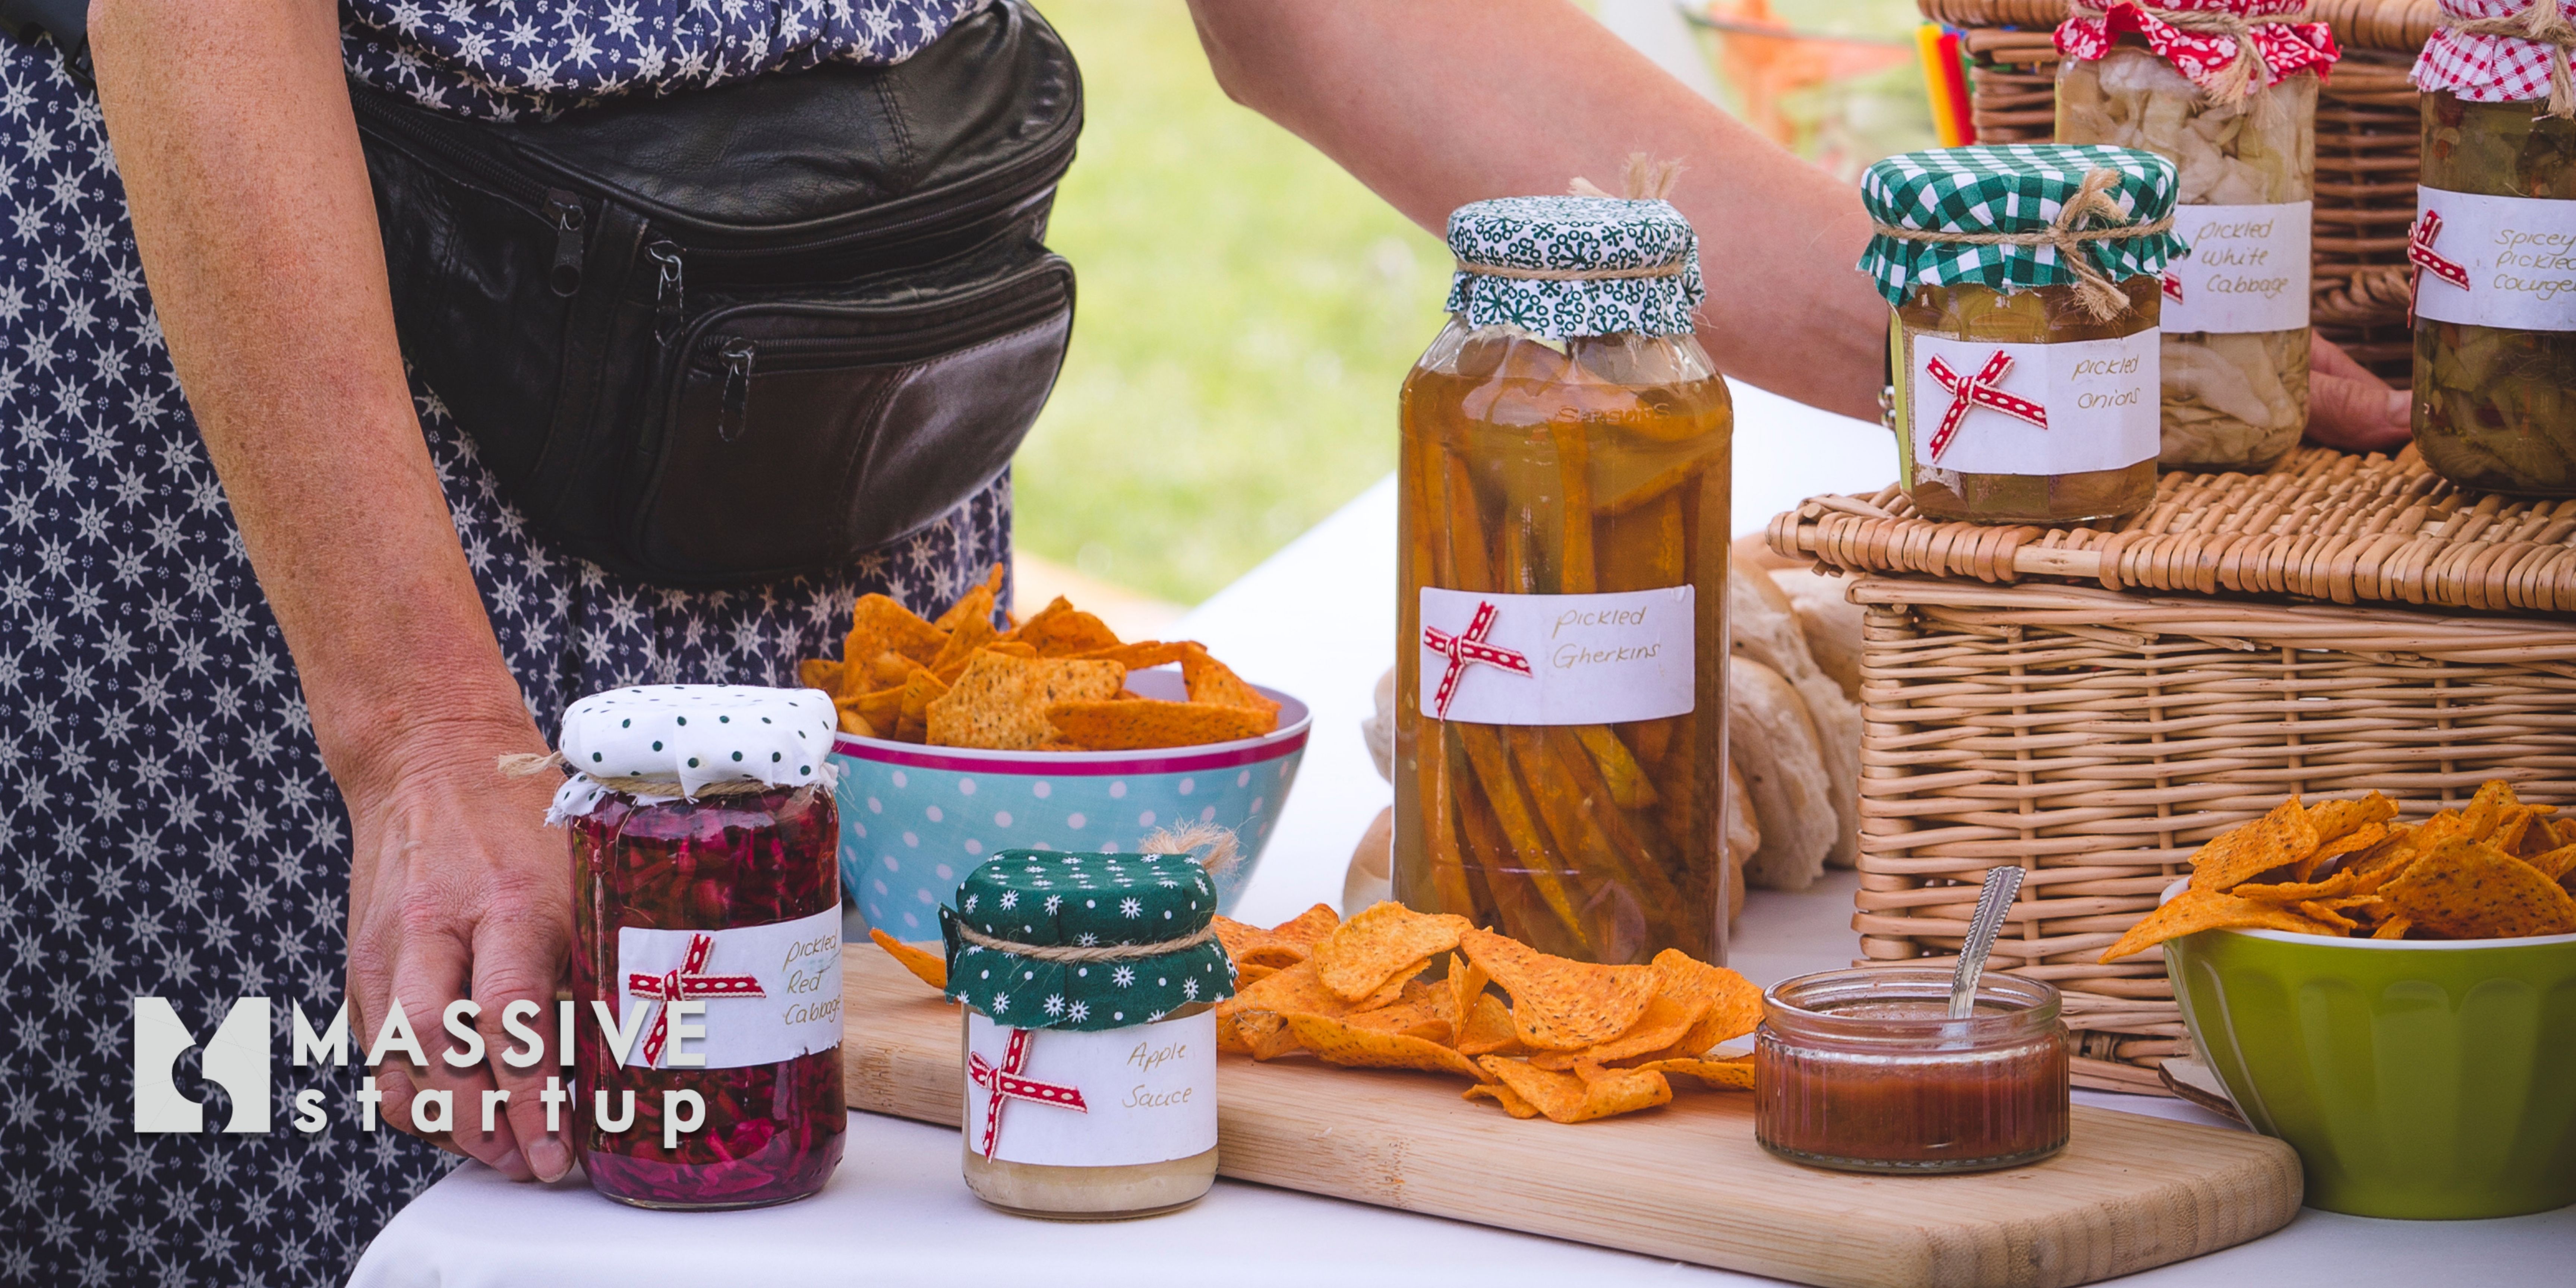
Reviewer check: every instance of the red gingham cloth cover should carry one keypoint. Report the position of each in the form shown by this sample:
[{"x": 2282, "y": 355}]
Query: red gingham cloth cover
[
  {"x": 2487, "y": 69},
  {"x": 2286, "y": 47}
]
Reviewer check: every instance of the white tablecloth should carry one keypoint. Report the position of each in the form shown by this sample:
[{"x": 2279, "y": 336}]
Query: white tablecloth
[{"x": 1317, "y": 619}]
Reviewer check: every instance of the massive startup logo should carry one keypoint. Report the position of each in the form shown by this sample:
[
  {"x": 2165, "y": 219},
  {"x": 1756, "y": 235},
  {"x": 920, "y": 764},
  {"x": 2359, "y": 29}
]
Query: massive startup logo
[{"x": 236, "y": 1059}]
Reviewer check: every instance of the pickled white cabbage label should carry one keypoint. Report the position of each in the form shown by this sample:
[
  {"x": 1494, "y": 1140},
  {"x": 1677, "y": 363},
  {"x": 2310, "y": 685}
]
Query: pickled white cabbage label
[
  {"x": 1558, "y": 659},
  {"x": 1980, "y": 407},
  {"x": 2247, "y": 271},
  {"x": 1142, "y": 1094},
  {"x": 2494, "y": 261},
  {"x": 723, "y": 999}
]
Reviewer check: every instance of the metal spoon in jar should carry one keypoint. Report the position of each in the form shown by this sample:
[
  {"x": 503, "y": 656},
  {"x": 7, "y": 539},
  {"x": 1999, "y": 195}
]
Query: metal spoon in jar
[{"x": 2003, "y": 885}]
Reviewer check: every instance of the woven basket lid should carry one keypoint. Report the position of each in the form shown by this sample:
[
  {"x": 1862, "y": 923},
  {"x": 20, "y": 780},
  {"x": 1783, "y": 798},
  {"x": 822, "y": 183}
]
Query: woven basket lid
[
  {"x": 1055, "y": 899},
  {"x": 2009, "y": 188},
  {"x": 1575, "y": 235}
]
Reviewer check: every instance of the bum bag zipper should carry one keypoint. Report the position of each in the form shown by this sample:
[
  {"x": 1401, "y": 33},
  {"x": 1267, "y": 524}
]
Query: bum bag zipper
[
  {"x": 564, "y": 211},
  {"x": 734, "y": 408},
  {"x": 667, "y": 291}
]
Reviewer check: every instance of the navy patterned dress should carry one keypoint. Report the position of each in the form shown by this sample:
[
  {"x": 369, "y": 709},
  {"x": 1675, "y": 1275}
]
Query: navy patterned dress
[{"x": 166, "y": 826}]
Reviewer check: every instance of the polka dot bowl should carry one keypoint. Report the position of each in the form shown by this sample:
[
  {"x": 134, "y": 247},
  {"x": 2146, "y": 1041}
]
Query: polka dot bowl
[{"x": 915, "y": 820}]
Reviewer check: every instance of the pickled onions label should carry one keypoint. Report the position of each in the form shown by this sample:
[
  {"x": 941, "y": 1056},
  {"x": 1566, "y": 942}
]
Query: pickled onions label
[
  {"x": 757, "y": 995},
  {"x": 2247, "y": 271},
  {"x": 2506, "y": 262},
  {"x": 1558, "y": 659},
  {"x": 1104, "y": 1098},
  {"x": 2063, "y": 408}
]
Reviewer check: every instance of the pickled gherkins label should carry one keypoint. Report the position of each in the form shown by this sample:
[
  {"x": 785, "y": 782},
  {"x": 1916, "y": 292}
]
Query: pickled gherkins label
[
  {"x": 2247, "y": 272},
  {"x": 1099, "y": 1098},
  {"x": 1982, "y": 407},
  {"x": 723, "y": 999},
  {"x": 2506, "y": 262},
  {"x": 1559, "y": 659}
]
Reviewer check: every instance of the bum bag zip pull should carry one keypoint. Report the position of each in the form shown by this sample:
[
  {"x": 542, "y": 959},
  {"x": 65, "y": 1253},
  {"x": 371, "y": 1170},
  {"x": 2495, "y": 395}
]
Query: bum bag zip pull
[
  {"x": 564, "y": 211},
  {"x": 734, "y": 407},
  {"x": 666, "y": 293}
]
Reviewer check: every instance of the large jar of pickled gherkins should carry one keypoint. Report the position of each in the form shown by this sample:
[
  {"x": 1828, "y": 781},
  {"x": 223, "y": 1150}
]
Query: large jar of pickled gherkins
[
  {"x": 2494, "y": 252},
  {"x": 2023, "y": 352},
  {"x": 2231, "y": 100},
  {"x": 1561, "y": 664}
]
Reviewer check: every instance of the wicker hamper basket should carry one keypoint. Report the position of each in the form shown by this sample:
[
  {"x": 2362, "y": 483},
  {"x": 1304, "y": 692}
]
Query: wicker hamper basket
[
  {"x": 2094, "y": 702},
  {"x": 2368, "y": 138}
]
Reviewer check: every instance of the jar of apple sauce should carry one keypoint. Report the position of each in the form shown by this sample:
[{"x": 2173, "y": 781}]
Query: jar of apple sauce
[
  {"x": 2023, "y": 347},
  {"x": 2495, "y": 282},
  {"x": 1089, "y": 983},
  {"x": 1561, "y": 665}
]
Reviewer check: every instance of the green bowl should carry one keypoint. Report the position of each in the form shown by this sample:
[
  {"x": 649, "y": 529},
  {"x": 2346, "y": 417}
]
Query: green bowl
[{"x": 2426, "y": 1079}]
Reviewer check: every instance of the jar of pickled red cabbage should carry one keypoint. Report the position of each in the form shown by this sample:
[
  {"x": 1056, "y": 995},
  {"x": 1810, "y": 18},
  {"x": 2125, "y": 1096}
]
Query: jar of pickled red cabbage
[
  {"x": 707, "y": 921},
  {"x": 1088, "y": 984},
  {"x": 2026, "y": 280},
  {"x": 2232, "y": 101},
  {"x": 2494, "y": 251}
]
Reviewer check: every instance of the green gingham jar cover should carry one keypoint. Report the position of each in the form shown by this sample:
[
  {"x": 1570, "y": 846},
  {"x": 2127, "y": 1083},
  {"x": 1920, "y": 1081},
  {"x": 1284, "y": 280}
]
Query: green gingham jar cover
[
  {"x": 1575, "y": 234},
  {"x": 1052, "y": 899},
  {"x": 2009, "y": 188}
]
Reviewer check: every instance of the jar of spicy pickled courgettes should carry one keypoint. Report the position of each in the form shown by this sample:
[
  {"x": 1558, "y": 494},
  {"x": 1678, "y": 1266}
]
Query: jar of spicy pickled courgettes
[
  {"x": 1089, "y": 984},
  {"x": 2494, "y": 250},
  {"x": 1560, "y": 723},
  {"x": 2231, "y": 100},
  {"x": 707, "y": 918},
  {"x": 2023, "y": 353}
]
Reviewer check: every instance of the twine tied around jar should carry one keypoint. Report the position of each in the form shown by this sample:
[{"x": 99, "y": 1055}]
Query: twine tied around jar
[
  {"x": 1642, "y": 179},
  {"x": 2100, "y": 295},
  {"x": 528, "y": 765},
  {"x": 1223, "y": 855},
  {"x": 2544, "y": 23}
]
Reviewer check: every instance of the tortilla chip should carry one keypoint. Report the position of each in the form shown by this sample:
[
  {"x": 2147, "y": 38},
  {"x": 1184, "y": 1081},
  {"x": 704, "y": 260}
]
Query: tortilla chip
[
  {"x": 928, "y": 967},
  {"x": 1502, "y": 1095},
  {"x": 2555, "y": 864},
  {"x": 2277, "y": 839},
  {"x": 1716, "y": 1075},
  {"x": 1392, "y": 991},
  {"x": 1131, "y": 724},
  {"x": 1337, "y": 1042},
  {"x": 2333, "y": 887},
  {"x": 1209, "y": 680},
  {"x": 879, "y": 711},
  {"x": 1287, "y": 944},
  {"x": 1467, "y": 983},
  {"x": 1735, "y": 1003},
  {"x": 1256, "y": 1009},
  {"x": 2487, "y": 809},
  {"x": 1061, "y": 630},
  {"x": 2382, "y": 863},
  {"x": 1229, "y": 1038},
  {"x": 1666, "y": 1021},
  {"x": 1386, "y": 941},
  {"x": 919, "y": 691},
  {"x": 2466, "y": 890},
  {"x": 1252, "y": 974},
  {"x": 887, "y": 670},
  {"x": 2393, "y": 928},
  {"x": 2358, "y": 841},
  {"x": 880, "y": 625},
  {"x": 1687, "y": 989},
  {"x": 1000, "y": 701},
  {"x": 974, "y": 604},
  {"x": 819, "y": 673},
  {"x": 1488, "y": 1030},
  {"x": 1569, "y": 1098},
  {"x": 1136, "y": 657},
  {"x": 963, "y": 644},
  {"x": 1417, "y": 1012},
  {"x": 2324, "y": 915},
  {"x": 2337, "y": 819},
  {"x": 1557, "y": 1004},
  {"x": 2198, "y": 910}
]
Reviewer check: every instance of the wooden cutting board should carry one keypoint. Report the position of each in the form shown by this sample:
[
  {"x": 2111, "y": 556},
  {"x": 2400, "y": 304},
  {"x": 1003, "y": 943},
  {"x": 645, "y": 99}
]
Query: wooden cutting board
[{"x": 1685, "y": 1181}]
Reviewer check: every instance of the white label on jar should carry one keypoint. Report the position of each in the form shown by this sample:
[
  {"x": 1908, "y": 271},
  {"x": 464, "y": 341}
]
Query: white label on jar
[
  {"x": 1558, "y": 659},
  {"x": 2495, "y": 261},
  {"x": 749, "y": 995},
  {"x": 1145, "y": 1093},
  {"x": 2248, "y": 270},
  {"x": 2099, "y": 399}
]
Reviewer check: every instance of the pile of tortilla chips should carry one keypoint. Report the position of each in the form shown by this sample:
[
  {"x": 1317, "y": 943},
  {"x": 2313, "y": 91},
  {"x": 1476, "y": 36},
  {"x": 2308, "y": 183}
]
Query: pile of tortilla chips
[
  {"x": 1575, "y": 1041},
  {"x": 2498, "y": 869},
  {"x": 1056, "y": 682}
]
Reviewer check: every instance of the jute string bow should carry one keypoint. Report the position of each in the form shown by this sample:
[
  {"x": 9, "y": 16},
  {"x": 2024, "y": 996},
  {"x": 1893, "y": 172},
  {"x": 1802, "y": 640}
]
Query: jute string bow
[
  {"x": 2240, "y": 79},
  {"x": 1221, "y": 857},
  {"x": 2100, "y": 295},
  {"x": 2544, "y": 23},
  {"x": 1644, "y": 180}
]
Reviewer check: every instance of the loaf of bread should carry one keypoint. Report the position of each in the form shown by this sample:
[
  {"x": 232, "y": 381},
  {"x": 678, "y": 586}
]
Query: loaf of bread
[
  {"x": 1783, "y": 769},
  {"x": 1829, "y": 620},
  {"x": 1764, "y": 627}
]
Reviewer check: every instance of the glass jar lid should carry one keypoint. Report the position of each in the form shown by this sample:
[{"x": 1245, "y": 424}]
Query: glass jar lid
[
  {"x": 2502, "y": 51},
  {"x": 662, "y": 742},
  {"x": 2013, "y": 216},
  {"x": 1560, "y": 267},
  {"x": 1046, "y": 939},
  {"x": 2207, "y": 40}
]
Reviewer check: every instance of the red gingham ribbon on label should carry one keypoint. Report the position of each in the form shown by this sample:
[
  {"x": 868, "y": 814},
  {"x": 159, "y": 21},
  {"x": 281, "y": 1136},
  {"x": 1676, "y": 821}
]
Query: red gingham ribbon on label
[
  {"x": 687, "y": 984},
  {"x": 2173, "y": 287},
  {"x": 2419, "y": 252},
  {"x": 1006, "y": 1084},
  {"x": 1465, "y": 648},
  {"x": 1978, "y": 390}
]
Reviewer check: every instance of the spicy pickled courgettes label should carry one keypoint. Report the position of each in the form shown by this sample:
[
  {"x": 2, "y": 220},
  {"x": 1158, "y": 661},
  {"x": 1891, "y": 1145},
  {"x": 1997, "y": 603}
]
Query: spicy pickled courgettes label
[
  {"x": 2507, "y": 262},
  {"x": 1558, "y": 659},
  {"x": 1983, "y": 407},
  {"x": 743, "y": 996},
  {"x": 2247, "y": 272}
]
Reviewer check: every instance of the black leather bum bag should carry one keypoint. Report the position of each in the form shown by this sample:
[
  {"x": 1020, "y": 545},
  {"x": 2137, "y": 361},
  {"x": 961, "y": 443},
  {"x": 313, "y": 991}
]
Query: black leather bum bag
[{"x": 747, "y": 332}]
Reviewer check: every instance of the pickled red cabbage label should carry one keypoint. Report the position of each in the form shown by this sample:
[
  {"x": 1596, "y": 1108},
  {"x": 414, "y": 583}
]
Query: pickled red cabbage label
[
  {"x": 724, "y": 999},
  {"x": 1558, "y": 659},
  {"x": 1982, "y": 407},
  {"x": 2248, "y": 270},
  {"x": 1097, "y": 1098},
  {"x": 2507, "y": 262}
]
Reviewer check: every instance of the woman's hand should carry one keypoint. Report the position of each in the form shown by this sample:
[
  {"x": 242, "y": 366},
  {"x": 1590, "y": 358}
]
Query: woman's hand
[{"x": 2350, "y": 408}]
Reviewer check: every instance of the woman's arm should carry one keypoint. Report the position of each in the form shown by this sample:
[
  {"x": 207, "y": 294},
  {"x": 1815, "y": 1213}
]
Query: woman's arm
[
  {"x": 257, "y": 233},
  {"x": 1436, "y": 103}
]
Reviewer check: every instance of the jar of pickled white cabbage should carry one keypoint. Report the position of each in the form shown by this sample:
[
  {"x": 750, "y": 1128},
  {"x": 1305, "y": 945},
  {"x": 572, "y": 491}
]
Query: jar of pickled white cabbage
[{"x": 2227, "y": 91}]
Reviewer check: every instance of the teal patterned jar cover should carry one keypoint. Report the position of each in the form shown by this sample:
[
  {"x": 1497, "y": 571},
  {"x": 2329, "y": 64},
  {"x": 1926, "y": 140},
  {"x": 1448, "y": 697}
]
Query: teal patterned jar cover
[
  {"x": 1560, "y": 267},
  {"x": 2014, "y": 216},
  {"x": 1046, "y": 939}
]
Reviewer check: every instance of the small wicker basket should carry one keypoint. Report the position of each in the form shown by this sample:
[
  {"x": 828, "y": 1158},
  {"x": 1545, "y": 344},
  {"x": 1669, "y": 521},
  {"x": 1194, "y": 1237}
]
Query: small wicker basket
[
  {"x": 2368, "y": 140},
  {"x": 2094, "y": 702}
]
